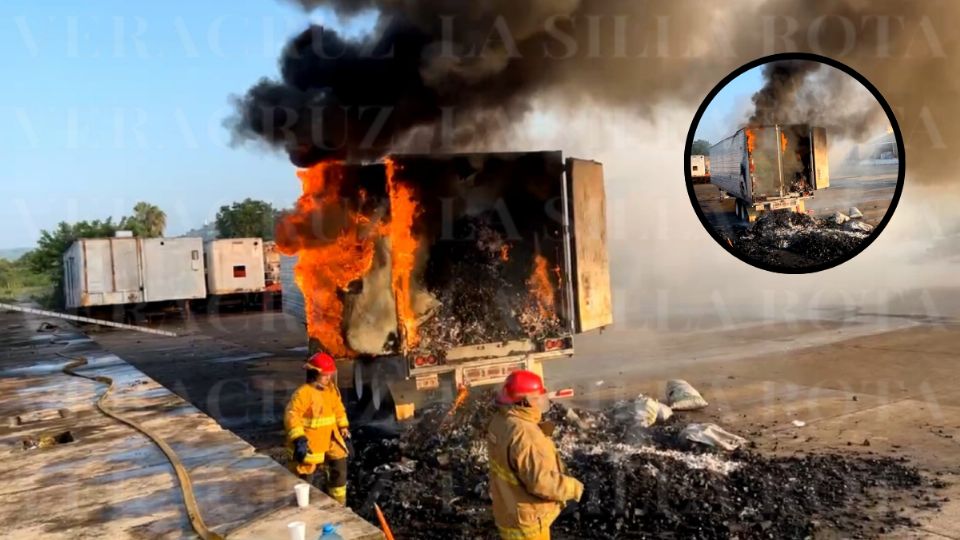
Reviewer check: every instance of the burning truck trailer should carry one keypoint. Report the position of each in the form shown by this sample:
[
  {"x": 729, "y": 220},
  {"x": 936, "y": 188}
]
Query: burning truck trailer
[
  {"x": 773, "y": 167},
  {"x": 431, "y": 274}
]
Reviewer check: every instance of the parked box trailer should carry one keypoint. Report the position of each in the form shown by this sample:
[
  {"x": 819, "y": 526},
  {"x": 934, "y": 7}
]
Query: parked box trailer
[
  {"x": 117, "y": 271},
  {"x": 271, "y": 265},
  {"x": 510, "y": 263},
  {"x": 771, "y": 167},
  {"x": 700, "y": 169},
  {"x": 102, "y": 272},
  {"x": 235, "y": 266}
]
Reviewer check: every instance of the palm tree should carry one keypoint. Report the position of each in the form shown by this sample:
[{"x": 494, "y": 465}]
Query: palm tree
[{"x": 147, "y": 221}]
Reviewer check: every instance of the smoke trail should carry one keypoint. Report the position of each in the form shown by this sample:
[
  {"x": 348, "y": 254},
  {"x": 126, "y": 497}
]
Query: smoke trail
[{"x": 471, "y": 68}]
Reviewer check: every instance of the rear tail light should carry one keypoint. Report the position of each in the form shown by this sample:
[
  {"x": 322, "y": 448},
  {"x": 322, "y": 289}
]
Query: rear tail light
[
  {"x": 425, "y": 361},
  {"x": 554, "y": 344}
]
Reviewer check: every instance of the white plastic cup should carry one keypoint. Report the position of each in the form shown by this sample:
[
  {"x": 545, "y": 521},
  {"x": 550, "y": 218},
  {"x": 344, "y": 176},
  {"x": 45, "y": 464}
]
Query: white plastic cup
[
  {"x": 303, "y": 494},
  {"x": 298, "y": 530}
]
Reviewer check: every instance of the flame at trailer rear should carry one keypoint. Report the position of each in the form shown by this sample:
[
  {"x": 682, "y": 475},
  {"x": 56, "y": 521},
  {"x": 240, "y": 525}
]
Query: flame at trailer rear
[
  {"x": 783, "y": 142},
  {"x": 541, "y": 288},
  {"x": 335, "y": 246},
  {"x": 751, "y": 140},
  {"x": 403, "y": 250}
]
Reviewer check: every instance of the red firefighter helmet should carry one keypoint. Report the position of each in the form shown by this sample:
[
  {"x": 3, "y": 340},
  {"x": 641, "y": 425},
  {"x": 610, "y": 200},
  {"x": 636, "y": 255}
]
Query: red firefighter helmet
[
  {"x": 321, "y": 362},
  {"x": 520, "y": 384}
]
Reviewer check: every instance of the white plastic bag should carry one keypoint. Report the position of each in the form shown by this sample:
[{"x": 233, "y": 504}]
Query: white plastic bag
[
  {"x": 857, "y": 226},
  {"x": 712, "y": 435},
  {"x": 646, "y": 410},
  {"x": 681, "y": 396},
  {"x": 664, "y": 412}
]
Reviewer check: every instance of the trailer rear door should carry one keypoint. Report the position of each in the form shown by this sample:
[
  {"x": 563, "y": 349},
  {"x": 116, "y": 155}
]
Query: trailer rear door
[
  {"x": 587, "y": 226},
  {"x": 821, "y": 166}
]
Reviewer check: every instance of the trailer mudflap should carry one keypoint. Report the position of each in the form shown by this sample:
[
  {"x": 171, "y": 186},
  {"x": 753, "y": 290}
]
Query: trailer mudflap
[{"x": 587, "y": 224}]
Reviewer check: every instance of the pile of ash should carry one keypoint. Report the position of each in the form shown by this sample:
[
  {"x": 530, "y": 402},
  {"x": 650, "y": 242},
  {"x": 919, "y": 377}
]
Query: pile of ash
[
  {"x": 482, "y": 297},
  {"x": 431, "y": 481},
  {"x": 786, "y": 238}
]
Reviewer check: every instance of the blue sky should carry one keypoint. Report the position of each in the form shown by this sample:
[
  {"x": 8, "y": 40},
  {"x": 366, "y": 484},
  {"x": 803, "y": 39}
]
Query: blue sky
[
  {"x": 727, "y": 110},
  {"x": 108, "y": 103}
]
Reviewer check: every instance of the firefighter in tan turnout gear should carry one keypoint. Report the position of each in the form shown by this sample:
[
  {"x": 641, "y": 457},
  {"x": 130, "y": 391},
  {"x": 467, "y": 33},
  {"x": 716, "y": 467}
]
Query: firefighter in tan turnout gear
[
  {"x": 528, "y": 483},
  {"x": 317, "y": 428}
]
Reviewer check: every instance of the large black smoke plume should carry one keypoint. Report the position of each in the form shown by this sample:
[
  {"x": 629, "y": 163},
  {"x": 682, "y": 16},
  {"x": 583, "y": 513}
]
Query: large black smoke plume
[
  {"x": 464, "y": 70},
  {"x": 808, "y": 92}
]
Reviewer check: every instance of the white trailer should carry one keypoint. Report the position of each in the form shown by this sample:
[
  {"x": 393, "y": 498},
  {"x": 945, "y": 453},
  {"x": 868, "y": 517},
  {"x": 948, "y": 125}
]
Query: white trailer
[
  {"x": 700, "y": 168},
  {"x": 118, "y": 271},
  {"x": 102, "y": 272},
  {"x": 771, "y": 167},
  {"x": 235, "y": 266}
]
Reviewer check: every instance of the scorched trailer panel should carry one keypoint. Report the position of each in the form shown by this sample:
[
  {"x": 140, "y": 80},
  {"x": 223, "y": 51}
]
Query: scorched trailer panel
[
  {"x": 509, "y": 262},
  {"x": 771, "y": 167}
]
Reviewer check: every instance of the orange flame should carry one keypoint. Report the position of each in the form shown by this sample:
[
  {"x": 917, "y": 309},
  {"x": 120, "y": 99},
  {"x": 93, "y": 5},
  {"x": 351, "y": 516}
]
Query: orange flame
[
  {"x": 505, "y": 252},
  {"x": 335, "y": 247},
  {"x": 751, "y": 140},
  {"x": 541, "y": 288},
  {"x": 403, "y": 249},
  {"x": 462, "y": 394},
  {"x": 783, "y": 142}
]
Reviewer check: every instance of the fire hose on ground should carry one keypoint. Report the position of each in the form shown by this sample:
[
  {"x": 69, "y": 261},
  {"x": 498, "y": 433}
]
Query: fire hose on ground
[{"x": 186, "y": 487}]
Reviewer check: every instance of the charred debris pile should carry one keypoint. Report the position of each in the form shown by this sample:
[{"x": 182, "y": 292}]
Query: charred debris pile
[
  {"x": 479, "y": 298},
  {"x": 787, "y": 238},
  {"x": 427, "y": 253},
  {"x": 431, "y": 481}
]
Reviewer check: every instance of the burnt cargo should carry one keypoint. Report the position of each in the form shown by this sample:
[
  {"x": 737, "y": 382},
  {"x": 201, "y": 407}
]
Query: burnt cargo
[{"x": 503, "y": 253}]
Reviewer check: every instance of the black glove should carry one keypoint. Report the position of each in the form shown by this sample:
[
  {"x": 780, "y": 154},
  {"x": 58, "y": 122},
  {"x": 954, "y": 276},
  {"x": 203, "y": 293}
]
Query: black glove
[
  {"x": 570, "y": 508},
  {"x": 300, "y": 449}
]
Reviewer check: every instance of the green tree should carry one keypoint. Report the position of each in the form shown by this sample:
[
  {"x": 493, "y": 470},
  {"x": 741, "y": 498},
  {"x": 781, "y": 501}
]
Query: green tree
[
  {"x": 247, "y": 219},
  {"x": 147, "y": 221},
  {"x": 47, "y": 258},
  {"x": 700, "y": 147}
]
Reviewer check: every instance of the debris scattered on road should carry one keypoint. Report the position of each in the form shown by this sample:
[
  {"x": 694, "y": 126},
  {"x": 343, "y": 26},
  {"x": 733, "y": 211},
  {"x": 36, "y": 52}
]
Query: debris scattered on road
[
  {"x": 646, "y": 411},
  {"x": 799, "y": 423},
  {"x": 640, "y": 482},
  {"x": 682, "y": 396},
  {"x": 855, "y": 213},
  {"x": 713, "y": 436},
  {"x": 857, "y": 226},
  {"x": 788, "y": 239}
]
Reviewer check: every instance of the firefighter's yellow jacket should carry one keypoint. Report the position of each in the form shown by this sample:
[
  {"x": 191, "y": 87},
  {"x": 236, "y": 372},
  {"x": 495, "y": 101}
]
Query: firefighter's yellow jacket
[
  {"x": 318, "y": 414},
  {"x": 528, "y": 483}
]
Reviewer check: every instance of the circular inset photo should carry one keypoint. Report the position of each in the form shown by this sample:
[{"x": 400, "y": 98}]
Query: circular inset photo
[{"x": 794, "y": 163}]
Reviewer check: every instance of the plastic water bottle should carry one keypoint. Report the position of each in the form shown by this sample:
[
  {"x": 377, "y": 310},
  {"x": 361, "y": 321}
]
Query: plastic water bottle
[{"x": 329, "y": 532}]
